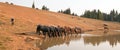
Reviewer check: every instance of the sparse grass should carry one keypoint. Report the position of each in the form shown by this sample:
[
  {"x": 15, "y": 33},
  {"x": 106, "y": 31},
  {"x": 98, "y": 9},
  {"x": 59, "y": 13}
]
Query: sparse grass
[
  {"x": 2, "y": 47},
  {"x": 3, "y": 40},
  {"x": 1, "y": 19}
]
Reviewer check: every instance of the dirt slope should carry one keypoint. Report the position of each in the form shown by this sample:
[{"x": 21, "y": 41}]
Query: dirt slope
[
  {"x": 28, "y": 17},
  {"x": 26, "y": 20}
]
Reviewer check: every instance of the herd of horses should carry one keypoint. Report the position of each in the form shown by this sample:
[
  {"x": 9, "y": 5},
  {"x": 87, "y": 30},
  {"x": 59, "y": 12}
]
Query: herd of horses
[{"x": 53, "y": 31}]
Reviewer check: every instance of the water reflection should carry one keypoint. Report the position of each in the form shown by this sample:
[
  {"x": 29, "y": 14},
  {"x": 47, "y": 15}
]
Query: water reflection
[
  {"x": 50, "y": 42},
  {"x": 47, "y": 43},
  {"x": 106, "y": 31},
  {"x": 96, "y": 40}
]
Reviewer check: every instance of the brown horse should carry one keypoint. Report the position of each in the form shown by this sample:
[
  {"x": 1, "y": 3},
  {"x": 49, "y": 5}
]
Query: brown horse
[
  {"x": 67, "y": 30},
  {"x": 105, "y": 26},
  {"x": 78, "y": 30}
]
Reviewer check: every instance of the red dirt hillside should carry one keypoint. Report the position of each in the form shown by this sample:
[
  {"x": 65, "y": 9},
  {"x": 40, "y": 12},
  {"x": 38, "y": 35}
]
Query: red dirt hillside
[
  {"x": 26, "y": 20},
  {"x": 26, "y": 17}
]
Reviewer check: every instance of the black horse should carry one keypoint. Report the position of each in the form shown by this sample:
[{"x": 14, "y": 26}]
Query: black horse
[
  {"x": 38, "y": 29},
  {"x": 45, "y": 30},
  {"x": 61, "y": 31},
  {"x": 58, "y": 31},
  {"x": 53, "y": 31}
]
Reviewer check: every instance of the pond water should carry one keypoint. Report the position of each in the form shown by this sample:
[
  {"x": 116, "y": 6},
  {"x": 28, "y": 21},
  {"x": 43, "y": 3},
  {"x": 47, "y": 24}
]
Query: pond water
[{"x": 80, "y": 42}]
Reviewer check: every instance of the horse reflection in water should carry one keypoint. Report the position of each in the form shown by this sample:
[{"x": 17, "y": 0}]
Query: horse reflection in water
[
  {"x": 50, "y": 42},
  {"x": 106, "y": 31},
  {"x": 97, "y": 40}
]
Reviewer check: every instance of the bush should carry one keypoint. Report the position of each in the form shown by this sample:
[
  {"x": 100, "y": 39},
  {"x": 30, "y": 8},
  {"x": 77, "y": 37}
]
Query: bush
[
  {"x": 7, "y": 2},
  {"x": 45, "y": 8},
  {"x": 37, "y": 9},
  {"x": 11, "y": 4}
]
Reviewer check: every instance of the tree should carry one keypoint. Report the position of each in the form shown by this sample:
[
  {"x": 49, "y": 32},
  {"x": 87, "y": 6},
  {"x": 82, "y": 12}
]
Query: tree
[
  {"x": 100, "y": 15},
  {"x": 74, "y": 14},
  {"x": 33, "y": 6},
  {"x": 67, "y": 11},
  {"x": 61, "y": 11},
  {"x": 7, "y": 2},
  {"x": 113, "y": 15},
  {"x": 94, "y": 14},
  {"x": 118, "y": 18},
  {"x": 45, "y": 8},
  {"x": 11, "y": 3},
  {"x": 105, "y": 16},
  {"x": 87, "y": 14}
]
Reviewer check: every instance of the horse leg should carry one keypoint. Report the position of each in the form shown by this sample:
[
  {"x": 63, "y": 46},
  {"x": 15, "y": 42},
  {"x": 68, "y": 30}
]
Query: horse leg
[
  {"x": 38, "y": 32},
  {"x": 44, "y": 33},
  {"x": 49, "y": 34},
  {"x": 61, "y": 33},
  {"x": 58, "y": 34},
  {"x": 64, "y": 33}
]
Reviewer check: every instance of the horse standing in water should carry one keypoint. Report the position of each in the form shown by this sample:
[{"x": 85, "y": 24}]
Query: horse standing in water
[
  {"x": 45, "y": 30},
  {"x": 53, "y": 31}
]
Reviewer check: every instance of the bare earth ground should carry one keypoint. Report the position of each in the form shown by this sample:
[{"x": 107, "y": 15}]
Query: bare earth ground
[{"x": 26, "y": 20}]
